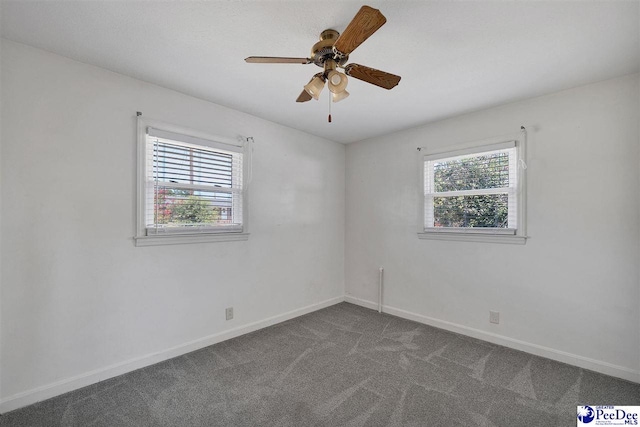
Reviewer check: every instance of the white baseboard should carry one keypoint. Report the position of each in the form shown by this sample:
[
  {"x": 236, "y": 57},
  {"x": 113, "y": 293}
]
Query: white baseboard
[
  {"x": 69, "y": 384},
  {"x": 538, "y": 350}
]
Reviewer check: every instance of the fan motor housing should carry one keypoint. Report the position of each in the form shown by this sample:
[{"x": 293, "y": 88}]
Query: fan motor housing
[{"x": 323, "y": 50}]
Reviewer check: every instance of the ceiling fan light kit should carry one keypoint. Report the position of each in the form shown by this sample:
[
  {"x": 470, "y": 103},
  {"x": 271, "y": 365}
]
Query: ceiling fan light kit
[{"x": 332, "y": 51}]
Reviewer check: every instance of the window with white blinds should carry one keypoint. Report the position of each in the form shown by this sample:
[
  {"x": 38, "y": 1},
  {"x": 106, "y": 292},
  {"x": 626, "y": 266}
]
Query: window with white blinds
[
  {"x": 192, "y": 186},
  {"x": 475, "y": 190}
]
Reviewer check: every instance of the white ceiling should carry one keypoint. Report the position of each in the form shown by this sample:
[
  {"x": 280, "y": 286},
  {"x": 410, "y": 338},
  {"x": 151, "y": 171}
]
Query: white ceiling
[{"x": 453, "y": 56}]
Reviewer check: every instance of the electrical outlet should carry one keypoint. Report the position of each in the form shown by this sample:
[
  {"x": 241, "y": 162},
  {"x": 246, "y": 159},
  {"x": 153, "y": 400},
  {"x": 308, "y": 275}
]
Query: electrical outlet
[
  {"x": 229, "y": 313},
  {"x": 494, "y": 317}
]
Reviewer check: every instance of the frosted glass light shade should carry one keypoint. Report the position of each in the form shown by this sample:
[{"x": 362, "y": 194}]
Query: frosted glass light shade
[
  {"x": 314, "y": 87},
  {"x": 339, "y": 96},
  {"x": 337, "y": 81}
]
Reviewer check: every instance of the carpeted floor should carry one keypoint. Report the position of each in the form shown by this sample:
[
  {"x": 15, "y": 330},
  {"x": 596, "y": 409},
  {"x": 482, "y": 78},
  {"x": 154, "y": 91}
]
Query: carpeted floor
[{"x": 341, "y": 366}]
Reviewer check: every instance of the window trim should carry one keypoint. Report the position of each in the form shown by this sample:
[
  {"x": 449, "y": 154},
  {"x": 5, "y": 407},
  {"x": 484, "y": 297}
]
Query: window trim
[
  {"x": 142, "y": 238},
  {"x": 468, "y": 234}
]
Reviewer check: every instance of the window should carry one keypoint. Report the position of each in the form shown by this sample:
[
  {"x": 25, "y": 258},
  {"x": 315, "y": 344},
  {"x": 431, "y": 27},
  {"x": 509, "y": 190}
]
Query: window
[
  {"x": 475, "y": 192},
  {"x": 191, "y": 186}
]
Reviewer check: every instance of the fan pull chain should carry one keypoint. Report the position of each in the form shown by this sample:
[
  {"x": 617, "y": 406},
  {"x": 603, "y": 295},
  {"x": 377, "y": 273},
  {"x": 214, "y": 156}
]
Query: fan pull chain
[{"x": 329, "y": 108}]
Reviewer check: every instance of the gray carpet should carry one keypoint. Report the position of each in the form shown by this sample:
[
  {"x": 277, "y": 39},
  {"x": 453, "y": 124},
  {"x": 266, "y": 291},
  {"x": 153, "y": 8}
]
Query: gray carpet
[{"x": 341, "y": 366}]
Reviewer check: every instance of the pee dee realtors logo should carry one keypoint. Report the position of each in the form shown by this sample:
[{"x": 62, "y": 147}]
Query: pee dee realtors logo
[{"x": 608, "y": 416}]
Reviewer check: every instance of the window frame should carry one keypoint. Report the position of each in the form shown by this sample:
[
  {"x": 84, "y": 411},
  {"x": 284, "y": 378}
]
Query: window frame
[
  {"x": 142, "y": 237},
  {"x": 490, "y": 235}
]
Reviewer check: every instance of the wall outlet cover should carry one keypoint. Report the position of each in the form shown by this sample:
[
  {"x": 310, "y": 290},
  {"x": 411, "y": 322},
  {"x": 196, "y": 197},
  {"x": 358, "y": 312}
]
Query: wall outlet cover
[{"x": 494, "y": 317}]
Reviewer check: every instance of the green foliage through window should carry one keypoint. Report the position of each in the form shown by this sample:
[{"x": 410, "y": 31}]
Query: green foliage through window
[
  {"x": 471, "y": 211},
  {"x": 470, "y": 191},
  {"x": 177, "y": 207},
  {"x": 472, "y": 173}
]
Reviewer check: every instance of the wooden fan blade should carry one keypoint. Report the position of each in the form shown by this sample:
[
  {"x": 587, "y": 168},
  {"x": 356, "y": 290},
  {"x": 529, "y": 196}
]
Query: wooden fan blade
[
  {"x": 304, "y": 97},
  {"x": 276, "y": 60},
  {"x": 373, "y": 76},
  {"x": 366, "y": 22}
]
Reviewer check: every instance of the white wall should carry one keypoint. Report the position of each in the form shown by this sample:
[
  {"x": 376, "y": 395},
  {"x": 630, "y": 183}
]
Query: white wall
[
  {"x": 572, "y": 292},
  {"x": 79, "y": 302}
]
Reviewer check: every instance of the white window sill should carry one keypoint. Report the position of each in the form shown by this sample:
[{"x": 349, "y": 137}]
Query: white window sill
[
  {"x": 175, "y": 239},
  {"x": 471, "y": 237}
]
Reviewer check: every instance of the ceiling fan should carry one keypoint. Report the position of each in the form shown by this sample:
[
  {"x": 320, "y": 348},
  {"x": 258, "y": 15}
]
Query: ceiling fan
[{"x": 332, "y": 52}]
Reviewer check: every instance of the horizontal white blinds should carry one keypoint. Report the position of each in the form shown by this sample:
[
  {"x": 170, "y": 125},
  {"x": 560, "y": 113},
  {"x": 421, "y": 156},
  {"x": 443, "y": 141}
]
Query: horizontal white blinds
[
  {"x": 219, "y": 143},
  {"x": 196, "y": 168},
  {"x": 192, "y": 188},
  {"x": 473, "y": 151}
]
